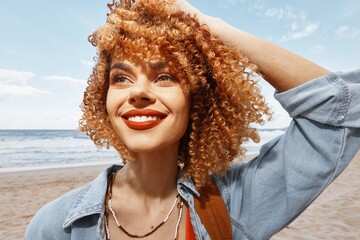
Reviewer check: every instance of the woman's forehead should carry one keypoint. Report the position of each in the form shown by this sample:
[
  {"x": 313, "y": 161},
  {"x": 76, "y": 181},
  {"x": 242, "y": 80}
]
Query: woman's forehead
[
  {"x": 154, "y": 60},
  {"x": 154, "y": 64}
]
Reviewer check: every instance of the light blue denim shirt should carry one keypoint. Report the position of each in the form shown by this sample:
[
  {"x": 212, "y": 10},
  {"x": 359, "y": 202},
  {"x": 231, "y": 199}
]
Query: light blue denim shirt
[{"x": 263, "y": 195}]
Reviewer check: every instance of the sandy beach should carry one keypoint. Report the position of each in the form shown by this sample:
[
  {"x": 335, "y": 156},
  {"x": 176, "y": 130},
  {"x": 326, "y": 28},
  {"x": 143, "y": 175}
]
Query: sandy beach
[{"x": 334, "y": 215}]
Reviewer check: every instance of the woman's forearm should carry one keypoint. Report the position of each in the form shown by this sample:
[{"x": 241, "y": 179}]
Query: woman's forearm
[{"x": 281, "y": 68}]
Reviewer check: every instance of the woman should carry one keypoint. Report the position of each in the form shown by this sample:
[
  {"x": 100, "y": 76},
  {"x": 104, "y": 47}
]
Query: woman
[{"x": 174, "y": 95}]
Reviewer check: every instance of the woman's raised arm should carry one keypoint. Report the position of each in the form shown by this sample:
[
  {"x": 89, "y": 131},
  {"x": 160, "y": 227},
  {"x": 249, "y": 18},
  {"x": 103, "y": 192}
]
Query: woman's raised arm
[{"x": 281, "y": 68}]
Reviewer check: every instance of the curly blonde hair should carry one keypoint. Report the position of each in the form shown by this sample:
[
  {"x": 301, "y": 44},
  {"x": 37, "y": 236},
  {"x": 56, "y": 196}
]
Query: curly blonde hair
[{"x": 225, "y": 99}]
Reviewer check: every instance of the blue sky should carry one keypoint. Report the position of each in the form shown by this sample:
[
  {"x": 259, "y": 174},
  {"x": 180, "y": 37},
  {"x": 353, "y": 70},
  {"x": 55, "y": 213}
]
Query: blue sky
[{"x": 46, "y": 59}]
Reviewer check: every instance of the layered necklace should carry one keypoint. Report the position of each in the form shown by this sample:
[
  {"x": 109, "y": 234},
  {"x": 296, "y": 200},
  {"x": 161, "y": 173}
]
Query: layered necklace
[{"x": 178, "y": 201}]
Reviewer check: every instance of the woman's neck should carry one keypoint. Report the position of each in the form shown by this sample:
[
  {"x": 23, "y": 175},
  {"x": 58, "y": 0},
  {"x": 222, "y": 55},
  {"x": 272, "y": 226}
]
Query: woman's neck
[
  {"x": 145, "y": 189},
  {"x": 151, "y": 176}
]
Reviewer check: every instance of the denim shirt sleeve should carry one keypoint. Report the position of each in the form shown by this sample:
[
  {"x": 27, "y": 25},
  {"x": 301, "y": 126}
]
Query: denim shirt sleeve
[
  {"x": 333, "y": 99},
  {"x": 267, "y": 193}
]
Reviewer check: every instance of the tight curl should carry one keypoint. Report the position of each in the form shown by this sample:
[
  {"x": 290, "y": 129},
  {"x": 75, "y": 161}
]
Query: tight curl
[{"x": 225, "y": 100}]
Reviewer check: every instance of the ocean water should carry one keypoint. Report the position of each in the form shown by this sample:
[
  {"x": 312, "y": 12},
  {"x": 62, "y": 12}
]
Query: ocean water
[
  {"x": 39, "y": 148},
  {"x": 35, "y": 149}
]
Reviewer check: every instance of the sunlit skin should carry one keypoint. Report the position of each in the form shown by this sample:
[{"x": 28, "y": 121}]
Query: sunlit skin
[
  {"x": 149, "y": 112},
  {"x": 146, "y": 105}
]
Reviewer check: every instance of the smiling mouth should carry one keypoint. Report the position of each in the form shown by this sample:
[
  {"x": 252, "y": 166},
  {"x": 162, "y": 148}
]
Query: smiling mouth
[{"x": 142, "y": 119}]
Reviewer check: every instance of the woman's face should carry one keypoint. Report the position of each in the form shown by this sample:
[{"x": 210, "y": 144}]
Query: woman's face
[{"x": 146, "y": 105}]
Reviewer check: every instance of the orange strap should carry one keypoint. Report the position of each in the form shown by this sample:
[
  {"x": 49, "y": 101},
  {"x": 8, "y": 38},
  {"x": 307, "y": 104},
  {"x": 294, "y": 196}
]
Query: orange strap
[
  {"x": 213, "y": 213},
  {"x": 190, "y": 235}
]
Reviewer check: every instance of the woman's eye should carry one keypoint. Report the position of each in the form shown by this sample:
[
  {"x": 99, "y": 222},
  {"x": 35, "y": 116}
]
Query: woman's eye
[
  {"x": 165, "y": 80},
  {"x": 120, "y": 80}
]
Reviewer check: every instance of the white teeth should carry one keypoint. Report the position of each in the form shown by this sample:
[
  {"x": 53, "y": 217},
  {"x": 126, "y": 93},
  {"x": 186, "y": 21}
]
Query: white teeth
[{"x": 143, "y": 118}]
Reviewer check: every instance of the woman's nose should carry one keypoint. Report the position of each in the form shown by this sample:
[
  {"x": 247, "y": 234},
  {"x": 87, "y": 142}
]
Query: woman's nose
[{"x": 141, "y": 93}]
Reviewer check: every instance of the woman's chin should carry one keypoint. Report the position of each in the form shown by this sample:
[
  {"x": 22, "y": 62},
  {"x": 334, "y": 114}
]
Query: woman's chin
[{"x": 147, "y": 148}]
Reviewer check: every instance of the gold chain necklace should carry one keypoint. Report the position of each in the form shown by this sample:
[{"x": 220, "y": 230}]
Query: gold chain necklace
[{"x": 152, "y": 231}]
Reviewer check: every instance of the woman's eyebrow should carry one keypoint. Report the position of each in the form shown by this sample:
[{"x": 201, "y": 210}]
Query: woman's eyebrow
[
  {"x": 122, "y": 66},
  {"x": 154, "y": 65},
  {"x": 158, "y": 65}
]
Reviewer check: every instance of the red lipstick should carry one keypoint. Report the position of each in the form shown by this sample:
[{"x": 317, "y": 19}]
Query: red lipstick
[{"x": 132, "y": 118}]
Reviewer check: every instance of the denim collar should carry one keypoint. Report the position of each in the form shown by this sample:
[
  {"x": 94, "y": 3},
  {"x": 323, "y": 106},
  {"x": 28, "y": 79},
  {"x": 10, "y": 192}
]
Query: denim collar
[{"x": 91, "y": 198}]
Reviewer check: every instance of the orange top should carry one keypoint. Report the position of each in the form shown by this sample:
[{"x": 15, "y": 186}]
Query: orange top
[{"x": 190, "y": 235}]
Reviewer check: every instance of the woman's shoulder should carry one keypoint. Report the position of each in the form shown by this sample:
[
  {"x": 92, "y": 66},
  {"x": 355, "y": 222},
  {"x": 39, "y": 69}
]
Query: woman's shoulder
[
  {"x": 56, "y": 217},
  {"x": 48, "y": 221}
]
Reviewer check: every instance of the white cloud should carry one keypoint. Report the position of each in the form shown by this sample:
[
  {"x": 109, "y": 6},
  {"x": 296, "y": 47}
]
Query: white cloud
[
  {"x": 345, "y": 31},
  {"x": 302, "y": 15},
  {"x": 305, "y": 31},
  {"x": 294, "y": 26},
  {"x": 319, "y": 48},
  {"x": 341, "y": 29},
  {"x": 15, "y": 77},
  {"x": 14, "y": 90},
  {"x": 296, "y": 21},
  {"x": 347, "y": 10},
  {"x": 227, "y": 3},
  {"x": 65, "y": 79},
  {"x": 258, "y": 5},
  {"x": 14, "y": 83},
  {"x": 275, "y": 13},
  {"x": 87, "y": 63},
  {"x": 281, "y": 13}
]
